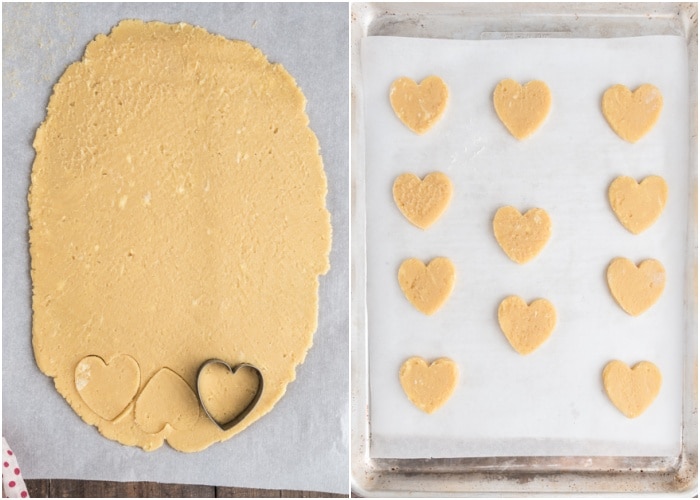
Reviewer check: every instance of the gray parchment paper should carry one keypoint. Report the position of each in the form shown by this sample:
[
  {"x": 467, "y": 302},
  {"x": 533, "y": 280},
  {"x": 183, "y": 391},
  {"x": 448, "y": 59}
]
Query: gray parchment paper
[{"x": 302, "y": 444}]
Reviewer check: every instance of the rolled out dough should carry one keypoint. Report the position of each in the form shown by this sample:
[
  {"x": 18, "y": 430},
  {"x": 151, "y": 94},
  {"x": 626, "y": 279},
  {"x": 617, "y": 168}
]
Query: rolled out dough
[{"x": 177, "y": 211}]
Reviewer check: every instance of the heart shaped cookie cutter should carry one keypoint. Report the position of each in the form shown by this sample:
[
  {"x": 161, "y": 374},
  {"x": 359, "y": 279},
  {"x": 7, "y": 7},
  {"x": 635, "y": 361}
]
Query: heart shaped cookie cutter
[{"x": 224, "y": 426}]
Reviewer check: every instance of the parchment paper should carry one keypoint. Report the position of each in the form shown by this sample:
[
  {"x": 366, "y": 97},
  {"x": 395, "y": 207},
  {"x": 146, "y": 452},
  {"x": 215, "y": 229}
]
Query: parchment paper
[
  {"x": 302, "y": 444},
  {"x": 551, "y": 402}
]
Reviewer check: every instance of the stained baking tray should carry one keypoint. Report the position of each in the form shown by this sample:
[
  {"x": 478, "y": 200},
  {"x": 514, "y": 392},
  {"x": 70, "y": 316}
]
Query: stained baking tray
[{"x": 517, "y": 475}]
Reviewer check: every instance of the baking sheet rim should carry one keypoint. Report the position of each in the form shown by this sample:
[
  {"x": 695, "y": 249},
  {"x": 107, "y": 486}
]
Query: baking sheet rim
[{"x": 418, "y": 477}]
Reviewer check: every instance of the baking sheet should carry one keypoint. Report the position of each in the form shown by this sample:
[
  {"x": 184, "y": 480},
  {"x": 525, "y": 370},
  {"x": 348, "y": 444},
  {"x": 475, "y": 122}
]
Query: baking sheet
[
  {"x": 552, "y": 401},
  {"x": 303, "y": 443}
]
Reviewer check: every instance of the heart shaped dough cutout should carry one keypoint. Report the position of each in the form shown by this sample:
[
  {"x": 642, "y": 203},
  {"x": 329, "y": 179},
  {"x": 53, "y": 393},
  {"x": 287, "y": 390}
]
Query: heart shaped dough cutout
[
  {"x": 526, "y": 327},
  {"x": 228, "y": 393},
  {"x": 632, "y": 390},
  {"x": 107, "y": 388},
  {"x": 427, "y": 287},
  {"x": 429, "y": 386},
  {"x": 636, "y": 289},
  {"x": 638, "y": 206},
  {"x": 419, "y": 106},
  {"x": 522, "y": 108},
  {"x": 632, "y": 114},
  {"x": 166, "y": 400},
  {"x": 522, "y": 237},
  {"x": 422, "y": 202}
]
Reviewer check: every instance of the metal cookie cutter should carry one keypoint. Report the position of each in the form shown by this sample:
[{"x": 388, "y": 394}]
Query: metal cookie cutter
[{"x": 224, "y": 426}]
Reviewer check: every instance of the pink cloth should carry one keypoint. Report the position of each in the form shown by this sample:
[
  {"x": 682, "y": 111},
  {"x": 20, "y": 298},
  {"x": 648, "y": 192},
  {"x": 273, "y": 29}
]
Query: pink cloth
[{"x": 12, "y": 483}]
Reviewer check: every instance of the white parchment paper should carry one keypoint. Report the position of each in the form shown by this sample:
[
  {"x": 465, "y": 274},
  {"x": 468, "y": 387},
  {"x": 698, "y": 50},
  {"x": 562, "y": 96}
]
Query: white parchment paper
[
  {"x": 551, "y": 402},
  {"x": 302, "y": 444}
]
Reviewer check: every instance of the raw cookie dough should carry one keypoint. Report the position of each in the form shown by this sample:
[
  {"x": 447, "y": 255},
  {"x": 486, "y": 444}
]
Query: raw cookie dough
[
  {"x": 632, "y": 390},
  {"x": 638, "y": 206},
  {"x": 419, "y": 106},
  {"x": 526, "y": 327},
  {"x": 181, "y": 411},
  {"x": 632, "y": 114},
  {"x": 634, "y": 288},
  {"x": 422, "y": 202},
  {"x": 121, "y": 375},
  {"x": 427, "y": 287},
  {"x": 522, "y": 237},
  {"x": 177, "y": 213},
  {"x": 226, "y": 394},
  {"x": 429, "y": 386},
  {"x": 522, "y": 108}
]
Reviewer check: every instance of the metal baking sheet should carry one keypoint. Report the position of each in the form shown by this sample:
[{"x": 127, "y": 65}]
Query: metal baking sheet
[{"x": 527, "y": 464}]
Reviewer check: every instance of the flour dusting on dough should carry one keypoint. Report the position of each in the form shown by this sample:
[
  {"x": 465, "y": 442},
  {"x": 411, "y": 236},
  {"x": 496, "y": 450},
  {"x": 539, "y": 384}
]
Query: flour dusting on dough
[{"x": 82, "y": 376}]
